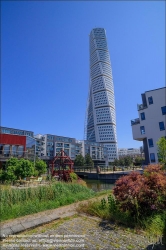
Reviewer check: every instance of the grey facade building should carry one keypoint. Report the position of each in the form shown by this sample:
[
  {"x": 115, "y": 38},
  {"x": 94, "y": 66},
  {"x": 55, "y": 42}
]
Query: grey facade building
[
  {"x": 150, "y": 126},
  {"x": 101, "y": 116}
]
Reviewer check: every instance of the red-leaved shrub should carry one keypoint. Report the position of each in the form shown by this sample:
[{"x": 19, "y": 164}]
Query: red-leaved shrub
[{"x": 142, "y": 194}]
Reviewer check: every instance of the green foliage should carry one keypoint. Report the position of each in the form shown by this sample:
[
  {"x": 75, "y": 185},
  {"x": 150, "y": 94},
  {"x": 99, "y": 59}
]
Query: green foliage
[
  {"x": 112, "y": 204},
  {"x": 25, "y": 168},
  {"x": 40, "y": 166},
  {"x": 155, "y": 224},
  {"x": 12, "y": 162},
  {"x": 138, "y": 160},
  {"x": 88, "y": 160},
  {"x": 73, "y": 176},
  {"x": 11, "y": 173},
  {"x": 79, "y": 160},
  {"x": 19, "y": 202},
  {"x": 128, "y": 161},
  {"x": 103, "y": 203},
  {"x": 121, "y": 162},
  {"x": 116, "y": 162},
  {"x": 2, "y": 175},
  {"x": 161, "y": 144}
]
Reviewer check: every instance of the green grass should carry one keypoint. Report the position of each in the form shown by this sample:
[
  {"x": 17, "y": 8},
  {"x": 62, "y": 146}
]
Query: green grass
[
  {"x": 19, "y": 202},
  {"x": 153, "y": 226}
]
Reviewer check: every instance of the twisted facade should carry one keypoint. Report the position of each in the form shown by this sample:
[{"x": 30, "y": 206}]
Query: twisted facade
[{"x": 101, "y": 117}]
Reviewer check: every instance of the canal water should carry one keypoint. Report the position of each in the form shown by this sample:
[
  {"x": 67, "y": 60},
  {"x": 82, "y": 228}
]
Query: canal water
[{"x": 98, "y": 185}]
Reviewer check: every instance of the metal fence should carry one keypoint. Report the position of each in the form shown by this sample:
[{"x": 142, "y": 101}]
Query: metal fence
[{"x": 105, "y": 168}]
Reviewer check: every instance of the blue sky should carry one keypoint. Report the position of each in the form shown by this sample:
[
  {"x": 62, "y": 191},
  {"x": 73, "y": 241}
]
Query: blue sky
[{"x": 45, "y": 61}]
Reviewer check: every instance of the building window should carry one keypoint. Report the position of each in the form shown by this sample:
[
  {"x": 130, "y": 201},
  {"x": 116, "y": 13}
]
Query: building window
[
  {"x": 161, "y": 126},
  {"x": 163, "y": 109},
  {"x": 152, "y": 157},
  {"x": 142, "y": 128},
  {"x": 150, "y": 100},
  {"x": 150, "y": 142},
  {"x": 142, "y": 116},
  {"x": 6, "y": 150}
]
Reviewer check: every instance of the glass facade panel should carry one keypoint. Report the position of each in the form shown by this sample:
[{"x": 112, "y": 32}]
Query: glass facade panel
[
  {"x": 150, "y": 100},
  {"x": 6, "y": 150},
  {"x": 30, "y": 148},
  {"x": 142, "y": 129},
  {"x": 150, "y": 142},
  {"x": 142, "y": 116},
  {"x": 163, "y": 109},
  {"x": 14, "y": 150},
  {"x": 20, "y": 151},
  {"x": 1, "y": 149},
  {"x": 161, "y": 126},
  {"x": 152, "y": 157}
]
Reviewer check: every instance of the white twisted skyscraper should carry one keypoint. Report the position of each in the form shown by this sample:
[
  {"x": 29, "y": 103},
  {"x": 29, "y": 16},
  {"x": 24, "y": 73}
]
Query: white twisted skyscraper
[{"x": 101, "y": 117}]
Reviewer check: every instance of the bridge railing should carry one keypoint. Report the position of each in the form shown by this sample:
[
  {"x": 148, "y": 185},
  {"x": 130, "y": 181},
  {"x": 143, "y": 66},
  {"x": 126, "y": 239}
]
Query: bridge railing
[{"x": 105, "y": 168}]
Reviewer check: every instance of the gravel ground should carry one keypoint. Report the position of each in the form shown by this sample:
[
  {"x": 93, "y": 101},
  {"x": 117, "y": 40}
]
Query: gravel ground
[{"x": 79, "y": 232}]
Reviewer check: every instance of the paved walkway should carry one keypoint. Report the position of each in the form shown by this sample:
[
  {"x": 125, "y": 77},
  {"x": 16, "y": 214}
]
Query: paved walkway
[
  {"x": 17, "y": 225},
  {"x": 50, "y": 230},
  {"x": 80, "y": 232}
]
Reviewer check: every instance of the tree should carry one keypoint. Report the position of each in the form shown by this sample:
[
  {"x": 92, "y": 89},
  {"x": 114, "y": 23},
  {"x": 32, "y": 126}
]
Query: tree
[
  {"x": 121, "y": 162},
  {"x": 128, "y": 160},
  {"x": 12, "y": 162},
  {"x": 25, "y": 168},
  {"x": 88, "y": 160},
  {"x": 79, "y": 160},
  {"x": 116, "y": 162},
  {"x": 161, "y": 143},
  {"x": 138, "y": 160},
  {"x": 40, "y": 166}
]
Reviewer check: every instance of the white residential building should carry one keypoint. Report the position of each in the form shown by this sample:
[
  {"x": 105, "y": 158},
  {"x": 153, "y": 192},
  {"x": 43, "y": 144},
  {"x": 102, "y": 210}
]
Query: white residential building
[
  {"x": 129, "y": 151},
  {"x": 101, "y": 116},
  {"x": 150, "y": 126}
]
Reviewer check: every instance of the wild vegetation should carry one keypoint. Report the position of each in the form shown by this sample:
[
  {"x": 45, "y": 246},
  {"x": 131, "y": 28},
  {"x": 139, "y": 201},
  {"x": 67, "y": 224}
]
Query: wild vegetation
[
  {"x": 20, "y": 202},
  {"x": 17, "y": 169},
  {"x": 128, "y": 161},
  {"x": 137, "y": 201},
  {"x": 83, "y": 161}
]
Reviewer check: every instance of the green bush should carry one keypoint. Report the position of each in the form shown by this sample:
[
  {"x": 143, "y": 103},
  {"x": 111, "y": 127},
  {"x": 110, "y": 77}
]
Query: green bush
[
  {"x": 19, "y": 202},
  {"x": 73, "y": 176}
]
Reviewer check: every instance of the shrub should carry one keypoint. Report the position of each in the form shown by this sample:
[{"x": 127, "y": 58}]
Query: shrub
[
  {"x": 142, "y": 195},
  {"x": 73, "y": 176}
]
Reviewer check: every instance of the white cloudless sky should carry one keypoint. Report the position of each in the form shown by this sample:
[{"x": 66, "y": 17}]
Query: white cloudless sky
[{"x": 45, "y": 62}]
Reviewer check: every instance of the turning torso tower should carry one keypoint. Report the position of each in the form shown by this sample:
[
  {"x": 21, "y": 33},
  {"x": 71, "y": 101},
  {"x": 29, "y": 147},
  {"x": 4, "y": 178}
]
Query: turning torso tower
[{"x": 101, "y": 117}]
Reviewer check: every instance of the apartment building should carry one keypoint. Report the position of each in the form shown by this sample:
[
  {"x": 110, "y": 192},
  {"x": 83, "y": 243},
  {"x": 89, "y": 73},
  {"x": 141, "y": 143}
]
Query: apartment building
[
  {"x": 133, "y": 152},
  {"x": 149, "y": 127}
]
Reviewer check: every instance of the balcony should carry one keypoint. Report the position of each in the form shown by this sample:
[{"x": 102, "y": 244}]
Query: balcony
[
  {"x": 135, "y": 121},
  {"x": 141, "y": 106}
]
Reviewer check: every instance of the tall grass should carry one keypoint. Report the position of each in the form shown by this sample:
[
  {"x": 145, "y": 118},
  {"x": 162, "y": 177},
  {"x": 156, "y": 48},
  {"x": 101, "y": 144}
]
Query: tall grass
[
  {"x": 154, "y": 226},
  {"x": 20, "y": 202}
]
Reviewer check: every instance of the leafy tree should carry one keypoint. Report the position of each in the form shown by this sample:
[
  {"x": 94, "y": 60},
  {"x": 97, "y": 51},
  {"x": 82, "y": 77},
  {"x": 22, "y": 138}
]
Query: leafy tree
[
  {"x": 128, "y": 160},
  {"x": 138, "y": 160},
  {"x": 11, "y": 173},
  {"x": 88, "y": 160},
  {"x": 25, "y": 168},
  {"x": 116, "y": 162},
  {"x": 161, "y": 143},
  {"x": 121, "y": 162},
  {"x": 12, "y": 162},
  {"x": 40, "y": 166},
  {"x": 79, "y": 160}
]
